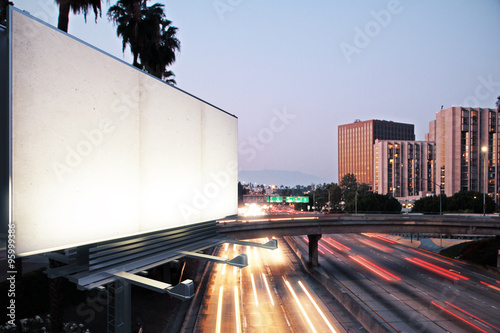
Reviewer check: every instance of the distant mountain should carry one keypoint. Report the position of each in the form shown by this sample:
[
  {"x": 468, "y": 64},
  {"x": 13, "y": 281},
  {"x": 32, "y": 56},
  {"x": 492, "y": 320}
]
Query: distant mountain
[{"x": 279, "y": 177}]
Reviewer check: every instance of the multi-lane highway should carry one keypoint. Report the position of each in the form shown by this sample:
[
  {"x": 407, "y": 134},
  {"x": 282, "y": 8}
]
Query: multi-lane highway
[
  {"x": 272, "y": 294},
  {"x": 409, "y": 289},
  {"x": 412, "y": 290}
]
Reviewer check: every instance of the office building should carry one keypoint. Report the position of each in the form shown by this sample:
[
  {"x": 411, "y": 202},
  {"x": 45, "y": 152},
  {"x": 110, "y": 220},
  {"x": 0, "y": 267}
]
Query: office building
[
  {"x": 356, "y": 140},
  {"x": 461, "y": 163},
  {"x": 404, "y": 168}
]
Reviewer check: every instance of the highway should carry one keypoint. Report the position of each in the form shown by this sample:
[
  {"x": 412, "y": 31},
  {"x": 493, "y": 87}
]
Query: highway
[
  {"x": 412, "y": 290},
  {"x": 271, "y": 294}
]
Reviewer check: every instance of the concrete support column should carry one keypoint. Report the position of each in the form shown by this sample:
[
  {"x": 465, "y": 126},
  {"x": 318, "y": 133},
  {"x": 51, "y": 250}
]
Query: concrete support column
[{"x": 313, "y": 249}]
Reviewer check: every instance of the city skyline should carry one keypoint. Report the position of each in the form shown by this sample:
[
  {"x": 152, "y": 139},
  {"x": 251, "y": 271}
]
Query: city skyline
[{"x": 293, "y": 74}]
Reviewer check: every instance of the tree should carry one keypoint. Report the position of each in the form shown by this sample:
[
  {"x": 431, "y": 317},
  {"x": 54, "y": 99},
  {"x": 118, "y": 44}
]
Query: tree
[
  {"x": 241, "y": 192},
  {"x": 159, "y": 52},
  {"x": 349, "y": 185},
  {"x": 150, "y": 36},
  {"x": 77, "y": 7},
  {"x": 467, "y": 201},
  {"x": 374, "y": 202},
  {"x": 430, "y": 204},
  {"x": 498, "y": 103},
  {"x": 335, "y": 195}
]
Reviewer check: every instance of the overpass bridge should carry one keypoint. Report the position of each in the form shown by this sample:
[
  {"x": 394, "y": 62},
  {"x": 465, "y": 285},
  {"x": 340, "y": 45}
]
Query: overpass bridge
[{"x": 315, "y": 225}]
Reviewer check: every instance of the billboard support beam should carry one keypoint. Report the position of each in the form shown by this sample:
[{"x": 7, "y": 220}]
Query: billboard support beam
[
  {"x": 271, "y": 245},
  {"x": 238, "y": 261},
  {"x": 182, "y": 291}
]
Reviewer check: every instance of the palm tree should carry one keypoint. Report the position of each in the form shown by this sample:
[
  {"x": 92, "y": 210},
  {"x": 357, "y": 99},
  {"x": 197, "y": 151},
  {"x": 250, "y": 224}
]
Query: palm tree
[
  {"x": 127, "y": 15},
  {"x": 159, "y": 52},
  {"x": 149, "y": 34},
  {"x": 77, "y": 6}
]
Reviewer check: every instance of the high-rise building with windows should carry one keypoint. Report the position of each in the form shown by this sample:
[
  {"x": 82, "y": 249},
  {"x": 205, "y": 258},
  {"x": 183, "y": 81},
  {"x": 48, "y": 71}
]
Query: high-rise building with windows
[
  {"x": 355, "y": 150},
  {"x": 467, "y": 150},
  {"x": 404, "y": 168}
]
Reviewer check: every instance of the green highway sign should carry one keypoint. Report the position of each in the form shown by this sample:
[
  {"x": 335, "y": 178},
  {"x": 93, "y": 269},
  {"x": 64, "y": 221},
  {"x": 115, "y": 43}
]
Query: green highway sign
[
  {"x": 274, "y": 199},
  {"x": 288, "y": 199},
  {"x": 297, "y": 199}
]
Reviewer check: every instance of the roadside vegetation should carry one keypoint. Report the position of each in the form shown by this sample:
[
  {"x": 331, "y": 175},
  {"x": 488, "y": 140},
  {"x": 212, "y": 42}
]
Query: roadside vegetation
[
  {"x": 482, "y": 252},
  {"x": 461, "y": 202}
]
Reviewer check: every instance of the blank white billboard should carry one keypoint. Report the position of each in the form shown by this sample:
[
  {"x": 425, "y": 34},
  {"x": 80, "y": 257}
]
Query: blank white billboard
[{"x": 101, "y": 150}]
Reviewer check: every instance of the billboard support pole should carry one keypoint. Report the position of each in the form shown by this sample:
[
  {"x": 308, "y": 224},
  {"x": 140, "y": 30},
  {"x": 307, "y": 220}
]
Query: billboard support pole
[{"x": 122, "y": 304}]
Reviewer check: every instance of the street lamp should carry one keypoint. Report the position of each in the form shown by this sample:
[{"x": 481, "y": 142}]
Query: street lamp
[
  {"x": 440, "y": 190},
  {"x": 484, "y": 149},
  {"x": 356, "y": 201}
]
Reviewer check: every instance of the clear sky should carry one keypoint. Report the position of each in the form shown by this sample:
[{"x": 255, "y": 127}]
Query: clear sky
[{"x": 292, "y": 71}]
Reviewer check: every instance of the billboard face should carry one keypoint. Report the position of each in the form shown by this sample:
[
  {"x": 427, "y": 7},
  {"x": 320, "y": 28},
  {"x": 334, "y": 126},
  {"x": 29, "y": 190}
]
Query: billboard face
[{"x": 101, "y": 150}]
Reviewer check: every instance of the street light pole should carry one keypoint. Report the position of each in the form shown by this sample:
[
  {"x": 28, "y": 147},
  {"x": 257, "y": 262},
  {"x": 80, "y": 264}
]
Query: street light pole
[
  {"x": 356, "y": 201},
  {"x": 484, "y": 149}
]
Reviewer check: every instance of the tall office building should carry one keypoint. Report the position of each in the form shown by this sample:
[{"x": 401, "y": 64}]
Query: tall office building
[
  {"x": 404, "y": 168},
  {"x": 461, "y": 163},
  {"x": 355, "y": 150}
]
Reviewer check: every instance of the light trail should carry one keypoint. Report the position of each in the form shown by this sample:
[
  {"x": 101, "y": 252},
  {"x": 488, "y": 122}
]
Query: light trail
[
  {"x": 340, "y": 244},
  {"x": 491, "y": 286},
  {"x": 457, "y": 316},
  {"x": 224, "y": 266},
  {"x": 428, "y": 255},
  {"x": 467, "y": 313},
  {"x": 237, "y": 309},
  {"x": 219, "y": 310},
  {"x": 319, "y": 250},
  {"x": 268, "y": 289},
  {"x": 226, "y": 245},
  {"x": 440, "y": 255},
  {"x": 299, "y": 305},
  {"x": 441, "y": 269},
  {"x": 254, "y": 290},
  {"x": 318, "y": 308},
  {"x": 374, "y": 268},
  {"x": 326, "y": 249},
  {"x": 379, "y": 268},
  {"x": 256, "y": 253},
  {"x": 385, "y": 239},
  {"x": 375, "y": 245},
  {"x": 436, "y": 269}
]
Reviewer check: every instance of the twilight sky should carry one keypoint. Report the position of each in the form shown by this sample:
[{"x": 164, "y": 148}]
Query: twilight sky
[{"x": 293, "y": 71}]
